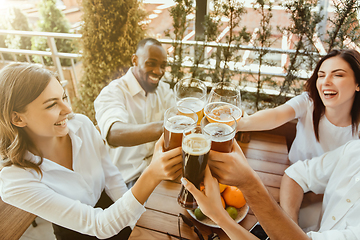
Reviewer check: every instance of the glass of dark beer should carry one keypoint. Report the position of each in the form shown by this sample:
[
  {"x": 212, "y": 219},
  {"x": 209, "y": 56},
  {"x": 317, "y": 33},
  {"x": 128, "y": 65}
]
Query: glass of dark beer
[
  {"x": 195, "y": 152},
  {"x": 176, "y": 120},
  {"x": 222, "y": 134}
]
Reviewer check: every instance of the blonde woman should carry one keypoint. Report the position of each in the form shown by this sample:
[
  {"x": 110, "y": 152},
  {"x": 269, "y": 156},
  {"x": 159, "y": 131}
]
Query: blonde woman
[{"x": 57, "y": 167}]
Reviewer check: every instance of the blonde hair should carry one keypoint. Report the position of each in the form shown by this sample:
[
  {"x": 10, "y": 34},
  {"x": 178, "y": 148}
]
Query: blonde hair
[{"x": 20, "y": 84}]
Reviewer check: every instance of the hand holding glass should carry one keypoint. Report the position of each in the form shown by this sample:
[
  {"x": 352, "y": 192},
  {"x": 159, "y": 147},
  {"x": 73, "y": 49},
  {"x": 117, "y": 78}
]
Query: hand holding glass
[{"x": 195, "y": 149}]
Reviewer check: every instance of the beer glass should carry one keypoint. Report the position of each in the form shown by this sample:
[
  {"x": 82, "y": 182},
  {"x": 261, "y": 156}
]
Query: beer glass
[
  {"x": 225, "y": 92},
  {"x": 222, "y": 134},
  {"x": 222, "y": 112},
  {"x": 195, "y": 152},
  {"x": 191, "y": 93},
  {"x": 176, "y": 120}
]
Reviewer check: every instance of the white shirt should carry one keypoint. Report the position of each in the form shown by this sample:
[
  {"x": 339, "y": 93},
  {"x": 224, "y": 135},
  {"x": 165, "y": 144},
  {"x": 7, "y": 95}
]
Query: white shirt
[
  {"x": 337, "y": 175},
  {"x": 66, "y": 197},
  {"x": 305, "y": 145},
  {"x": 125, "y": 101}
]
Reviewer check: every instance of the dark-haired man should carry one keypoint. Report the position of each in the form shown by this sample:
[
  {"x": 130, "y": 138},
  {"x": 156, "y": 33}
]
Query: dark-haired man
[{"x": 130, "y": 110}]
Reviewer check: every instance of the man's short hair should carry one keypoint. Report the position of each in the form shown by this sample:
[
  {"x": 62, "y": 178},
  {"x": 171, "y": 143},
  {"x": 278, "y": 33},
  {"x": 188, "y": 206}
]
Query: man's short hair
[{"x": 143, "y": 42}]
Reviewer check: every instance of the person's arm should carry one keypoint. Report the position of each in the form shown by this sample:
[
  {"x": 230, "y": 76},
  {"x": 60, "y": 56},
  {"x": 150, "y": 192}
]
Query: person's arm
[
  {"x": 210, "y": 204},
  {"x": 163, "y": 166},
  {"x": 112, "y": 117},
  {"x": 17, "y": 184},
  {"x": 127, "y": 135},
  {"x": 291, "y": 196},
  {"x": 267, "y": 119},
  {"x": 276, "y": 223},
  {"x": 233, "y": 169}
]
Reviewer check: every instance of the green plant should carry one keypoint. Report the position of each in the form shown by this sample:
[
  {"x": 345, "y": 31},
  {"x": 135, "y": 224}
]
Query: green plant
[
  {"x": 303, "y": 27},
  {"x": 178, "y": 12},
  {"x": 52, "y": 19},
  {"x": 344, "y": 26},
  {"x": 16, "y": 20},
  {"x": 264, "y": 8},
  {"x": 110, "y": 34},
  {"x": 228, "y": 56}
]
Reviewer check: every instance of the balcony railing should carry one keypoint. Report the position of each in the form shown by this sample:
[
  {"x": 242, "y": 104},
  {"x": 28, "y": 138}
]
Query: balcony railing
[{"x": 278, "y": 71}]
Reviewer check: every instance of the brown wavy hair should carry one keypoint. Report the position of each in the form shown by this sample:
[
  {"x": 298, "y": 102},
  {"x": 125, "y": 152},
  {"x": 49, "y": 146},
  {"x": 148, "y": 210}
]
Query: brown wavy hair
[
  {"x": 352, "y": 57},
  {"x": 20, "y": 84}
]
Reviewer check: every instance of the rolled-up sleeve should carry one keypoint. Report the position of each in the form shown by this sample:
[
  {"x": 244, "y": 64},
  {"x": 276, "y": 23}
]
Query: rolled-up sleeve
[
  {"x": 110, "y": 107},
  {"x": 313, "y": 174}
]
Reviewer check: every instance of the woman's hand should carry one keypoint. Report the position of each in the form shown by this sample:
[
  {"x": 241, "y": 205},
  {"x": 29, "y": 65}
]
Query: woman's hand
[
  {"x": 209, "y": 201},
  {"x": 165, "y": 165},
  {"x": 230, "y": 168}
]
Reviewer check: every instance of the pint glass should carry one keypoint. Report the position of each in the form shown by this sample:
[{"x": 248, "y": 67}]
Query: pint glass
[
  {"x": 222, "y": 112},
  {"x": 176, "y": 120},
  {"x": 195, "y": 152},
  {"x": 191, "y": 93},
  {"x": 225, "y": 92},
  {"x": 222, "y": 134}
]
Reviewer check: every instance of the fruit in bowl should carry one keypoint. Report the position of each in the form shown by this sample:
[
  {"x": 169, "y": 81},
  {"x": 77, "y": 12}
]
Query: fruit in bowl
[{"x": 232, "y": 200}]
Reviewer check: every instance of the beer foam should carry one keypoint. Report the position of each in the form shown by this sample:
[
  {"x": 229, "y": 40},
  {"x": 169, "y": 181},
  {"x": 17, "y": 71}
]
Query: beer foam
[
  {"x": 178, "y": 123},
  {"x": 196, "y": 144},
  {"x": 222, "y": 113},
  {"x": 192, "y": 103},
  {"x": 219, "y": 132}
]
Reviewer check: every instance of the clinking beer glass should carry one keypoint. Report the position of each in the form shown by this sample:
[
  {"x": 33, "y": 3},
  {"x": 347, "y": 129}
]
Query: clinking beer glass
[
  {"x": 222, "y": 133},
  {"x": 191, "y": 93},
  {"x": 195, "y": 152},
  {"x": 176, "y": 120}
]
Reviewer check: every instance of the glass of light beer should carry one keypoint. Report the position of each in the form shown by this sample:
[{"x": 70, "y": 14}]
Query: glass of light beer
[
  {"x": 222, "y": 134},
  {"x": 225, "y": 92},
  {"x": 176, "y": 120},
  {"x": 191, "y": 93},
  {"x": 195, "y": 152},
  {"x": 222, "y": 112}
]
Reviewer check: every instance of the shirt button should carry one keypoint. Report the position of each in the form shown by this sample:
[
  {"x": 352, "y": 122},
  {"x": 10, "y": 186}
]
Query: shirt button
[
  {"x": 357, "y": 179},
  {"x": 348, "y": 200},
  {"x": 333, "y": 218}
]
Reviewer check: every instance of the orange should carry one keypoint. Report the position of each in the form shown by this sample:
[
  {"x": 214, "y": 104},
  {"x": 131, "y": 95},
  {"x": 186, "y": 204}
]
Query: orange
[
  {"x": 223, "y": 201},
  {"x": 202, "y": 187},
  {"x": 222, "y": 187},
  {"x": 233, "y": 197}
]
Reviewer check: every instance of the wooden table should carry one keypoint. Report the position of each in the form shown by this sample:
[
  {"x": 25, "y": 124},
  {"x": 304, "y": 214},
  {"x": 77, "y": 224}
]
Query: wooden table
[
  {"x": 13, "y": 221},
  {"x": 267, "y": 155}
]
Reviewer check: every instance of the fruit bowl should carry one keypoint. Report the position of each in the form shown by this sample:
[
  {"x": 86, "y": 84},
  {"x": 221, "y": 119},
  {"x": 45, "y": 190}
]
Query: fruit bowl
[{"x": 242, "y": 212}]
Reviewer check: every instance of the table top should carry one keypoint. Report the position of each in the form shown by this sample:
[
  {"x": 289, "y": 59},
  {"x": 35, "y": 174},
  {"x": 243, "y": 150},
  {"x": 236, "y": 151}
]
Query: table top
[
  {"x": 267, "y": 154},
  {"x": 17, "y": 221}
]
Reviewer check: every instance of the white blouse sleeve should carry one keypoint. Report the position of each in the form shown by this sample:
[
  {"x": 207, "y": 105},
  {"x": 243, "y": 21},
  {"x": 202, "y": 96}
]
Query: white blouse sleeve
[
  {"x": 115, "y": 185},
  {"x": 23, "y": 189}
]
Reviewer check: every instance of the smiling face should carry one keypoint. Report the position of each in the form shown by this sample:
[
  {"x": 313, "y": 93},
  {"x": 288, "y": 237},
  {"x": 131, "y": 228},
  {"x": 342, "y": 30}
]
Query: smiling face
[
  {"x": 149, "y": 66},
  {"x": 336, "y": 83},
  {"x": 46, "y": 116}
]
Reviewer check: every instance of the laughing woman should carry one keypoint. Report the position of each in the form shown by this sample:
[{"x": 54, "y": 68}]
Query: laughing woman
[
  {"x": 328, "y": 111},
  {"x": 55, "y": 164}
]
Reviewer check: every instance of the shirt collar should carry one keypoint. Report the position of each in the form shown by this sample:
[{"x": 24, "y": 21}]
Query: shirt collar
[
  {"x": 73, "y": 125},
  {"x": 133, "y": 84}
]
